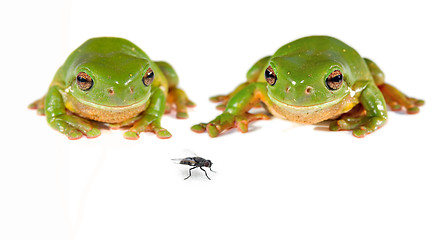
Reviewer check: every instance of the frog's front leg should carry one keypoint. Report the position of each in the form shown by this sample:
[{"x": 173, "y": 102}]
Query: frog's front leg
[
  {"x": 236, "y": 113},
  {"x": 71, "y": 125},
  {"x": 393, "y": 97},
  {"x": 253, "y": 75},
  {"x": 150, "y": 119},
  {"x": 375, "y": 117}
]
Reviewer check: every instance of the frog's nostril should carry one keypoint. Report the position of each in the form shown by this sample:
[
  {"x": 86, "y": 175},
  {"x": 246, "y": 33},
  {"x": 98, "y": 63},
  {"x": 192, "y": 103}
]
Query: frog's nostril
[
  {"x": 131, "y": 90},
  {"x": 288, "y": 89},
  {"x": 111, "y": 91},
  {"x": 308, "y": 90}
]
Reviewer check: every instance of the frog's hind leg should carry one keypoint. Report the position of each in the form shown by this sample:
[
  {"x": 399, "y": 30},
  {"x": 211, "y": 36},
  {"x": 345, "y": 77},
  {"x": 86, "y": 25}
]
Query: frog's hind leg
[
  {"x": 393, "y": 97},
  {"x": 253, "y": 75},
  {"x": 176, "y": 98},
  {"x": 39, "y": 106}
]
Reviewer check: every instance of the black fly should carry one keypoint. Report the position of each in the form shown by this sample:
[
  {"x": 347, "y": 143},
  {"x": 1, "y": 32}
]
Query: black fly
[{"x": 196, "y": 162}]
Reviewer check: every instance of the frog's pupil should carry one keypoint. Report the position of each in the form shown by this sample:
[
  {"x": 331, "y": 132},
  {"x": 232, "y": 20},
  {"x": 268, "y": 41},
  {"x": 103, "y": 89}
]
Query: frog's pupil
[{"x": 337, "y": 78}]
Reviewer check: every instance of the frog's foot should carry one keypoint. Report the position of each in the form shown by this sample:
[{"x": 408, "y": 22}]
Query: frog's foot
[
  {"x": 177, "y": 98},
  {"x": 360, "y": 126},
  {"x": 74, "y": 127},
  {"x": 397, "y": 100},
  {"x": 148, "y": 123},
  {"x": 39, "y": 106},
  {"x": 227, "y": 121}
]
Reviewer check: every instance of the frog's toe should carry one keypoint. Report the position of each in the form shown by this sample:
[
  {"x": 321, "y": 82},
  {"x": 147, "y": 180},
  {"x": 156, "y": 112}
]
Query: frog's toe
[
  {"x": 242, "y": 126},
  {"x": 181, "y": 115},
  {"x": 395, "y": 106},
  {"x": 360, "y": 132},
  {"x": 73, "y": 134},
  {"x": 221, "y": 107},
  {"x": 190, "y": 103},
  {"x": 163, "y": 133},
  {"x": 199, "y": 128},
  {"x": 412, "y": 110},
  {"x": 333, "y": 126},
  {"x": 212, "y": 130},
  {"x": 417, "y": 102},
  {"x": 40, "y": 111},
  {"x": 130, "y": 135},
  {"x": 219, "y": 98},
  {"x": 93, "y": 133}
]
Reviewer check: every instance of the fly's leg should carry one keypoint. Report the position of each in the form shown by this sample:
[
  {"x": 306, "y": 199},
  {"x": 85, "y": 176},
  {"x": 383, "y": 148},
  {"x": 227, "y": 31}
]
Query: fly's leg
[
  {"x": 189, "y": 173},
  {"x": 205, "y": 173}
]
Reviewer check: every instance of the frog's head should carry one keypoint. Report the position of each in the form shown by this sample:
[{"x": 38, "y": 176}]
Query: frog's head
[
  {"x": 116, "y": 82},
  {"x": 300, "y": 82}
]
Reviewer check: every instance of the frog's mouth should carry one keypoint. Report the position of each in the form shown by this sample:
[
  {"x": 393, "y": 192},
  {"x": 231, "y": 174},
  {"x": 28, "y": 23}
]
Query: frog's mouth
[
  {"x": 113, "y": 108},
  {"x": 310, "y": 107}
]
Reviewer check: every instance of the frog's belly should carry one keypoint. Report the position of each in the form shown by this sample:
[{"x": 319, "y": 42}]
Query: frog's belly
[
  {"x": 105, "y": 114},
  {"x": 311, "y": 114}
]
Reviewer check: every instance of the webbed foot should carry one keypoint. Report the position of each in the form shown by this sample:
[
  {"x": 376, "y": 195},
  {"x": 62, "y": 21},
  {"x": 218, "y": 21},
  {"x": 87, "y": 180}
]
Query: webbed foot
[
  {"x": 178, "y": 99},
  {"x": 397, "y": 100},
  {"x": 227, "y": 121},
  {"x": 360, "y": 126},
  {"x": 148, "y": 123},
  {"x": 74, "y": 127}
]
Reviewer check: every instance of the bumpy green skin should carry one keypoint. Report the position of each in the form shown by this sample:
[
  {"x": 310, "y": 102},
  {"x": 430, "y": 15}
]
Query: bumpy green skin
[
  {"x": 300, "y": 93},
  {"x": 118, "y": 96}
]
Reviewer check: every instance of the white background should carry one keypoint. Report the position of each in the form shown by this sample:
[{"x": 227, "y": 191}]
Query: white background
[{"x": 281, "y": 180}]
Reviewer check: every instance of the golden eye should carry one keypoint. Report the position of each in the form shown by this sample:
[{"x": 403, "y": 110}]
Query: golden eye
[
  {"x": 335, "y": 80},
  {"x": 270, "y": 76},
  {"x": 148, "y": 77},
  {"x": 84, "y": 81}
]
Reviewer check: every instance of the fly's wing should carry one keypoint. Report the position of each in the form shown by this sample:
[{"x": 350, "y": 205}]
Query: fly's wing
[{"x": 185, "y": 161}]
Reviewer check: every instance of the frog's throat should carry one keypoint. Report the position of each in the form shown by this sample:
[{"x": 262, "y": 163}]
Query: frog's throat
[
  {"x": 314, "y": 113},
  {"x": 103, "y": 113}
]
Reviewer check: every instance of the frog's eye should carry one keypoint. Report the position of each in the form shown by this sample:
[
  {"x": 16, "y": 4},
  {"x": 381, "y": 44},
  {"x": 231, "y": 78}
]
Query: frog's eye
[
  {"x": 148, "y": 77},
  {"x": 270, "y": 76},
  {"x": 334, "y": 80},
  {"x": 84, "y": 81}
]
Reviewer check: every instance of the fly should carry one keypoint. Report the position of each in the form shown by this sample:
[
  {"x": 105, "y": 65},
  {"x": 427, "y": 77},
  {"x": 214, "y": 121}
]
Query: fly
[{"x": 196, "y": 162}]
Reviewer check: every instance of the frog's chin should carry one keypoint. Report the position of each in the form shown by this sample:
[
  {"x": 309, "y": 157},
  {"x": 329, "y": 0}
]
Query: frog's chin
[{"x": 313, "y": 113}]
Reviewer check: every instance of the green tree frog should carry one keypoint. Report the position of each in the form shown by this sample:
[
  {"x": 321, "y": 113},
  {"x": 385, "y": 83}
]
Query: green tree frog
[
  {"x": 111, "y": 81},
  {"x": 310, "y": 80}
]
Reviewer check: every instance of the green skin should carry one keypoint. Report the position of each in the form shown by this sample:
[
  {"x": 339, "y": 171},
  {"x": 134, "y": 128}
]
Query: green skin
[
  {"x": 300, "y": 93},
  {"x": 118, "y": 96}
]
